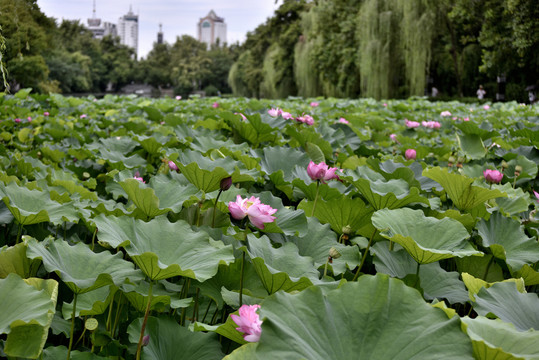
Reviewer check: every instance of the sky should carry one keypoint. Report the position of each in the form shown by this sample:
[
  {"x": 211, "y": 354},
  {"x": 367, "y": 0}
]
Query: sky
[{"x": 179, "y": 17}]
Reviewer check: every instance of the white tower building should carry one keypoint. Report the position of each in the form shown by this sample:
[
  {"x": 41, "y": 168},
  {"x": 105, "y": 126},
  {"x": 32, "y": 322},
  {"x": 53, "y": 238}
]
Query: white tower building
[
  {"x": 128, "y": 30},
  {"x": 100, "y": 29},
  {"x": 212, "y": 28}
]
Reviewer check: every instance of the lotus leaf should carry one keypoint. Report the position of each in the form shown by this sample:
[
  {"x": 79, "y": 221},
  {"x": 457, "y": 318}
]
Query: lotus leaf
[
  {"x": 368, "y": 319},
  {"x": 79, "y": 267},
  {"x": 165, "y": 336},
  {"x": 178, "y": 250},
  {"x": 27, "y": 326},
  {"x": 413, "y": 231}
]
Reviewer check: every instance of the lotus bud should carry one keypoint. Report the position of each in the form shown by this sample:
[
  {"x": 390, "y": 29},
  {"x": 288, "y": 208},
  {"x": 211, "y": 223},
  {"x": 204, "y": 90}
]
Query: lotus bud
[
  {"x": 450, "y": 161},
  {"x": 505, "y": 165},
  {"x": 334, "y": 253},
  {"x": 226, "y": 183},
  {"x": 347, "y": 230},
  {"x": 518, "y": 170},
  {"x": 145, "y": 340}
]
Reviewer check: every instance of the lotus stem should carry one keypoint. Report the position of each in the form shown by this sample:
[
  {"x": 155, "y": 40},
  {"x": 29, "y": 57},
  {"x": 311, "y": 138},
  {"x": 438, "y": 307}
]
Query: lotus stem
[
  {"x": 143, "y": 328},
  {"x": 19, "y": 234},
  {"x": 207, "y": 310},
  {"x": 215, "y": 208},
  {"x": 416, "y": 275},
  {"x": 93, "y": 238},
  {"x": 195, "y": 307},
  {"x": 241, "y": 277},
  {"x": 118, "y": 312},
  {"x": 488, "y": 267},
  {"x": 365, "y": 255},
  {"x": 326, "y": 268},
  {"x": 316, "y": 196},
  {"x": 72, "y": 326}
]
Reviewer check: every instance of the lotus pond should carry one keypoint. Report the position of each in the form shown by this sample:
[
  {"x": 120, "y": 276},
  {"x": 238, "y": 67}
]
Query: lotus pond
[{"x": 340, "y": 229}]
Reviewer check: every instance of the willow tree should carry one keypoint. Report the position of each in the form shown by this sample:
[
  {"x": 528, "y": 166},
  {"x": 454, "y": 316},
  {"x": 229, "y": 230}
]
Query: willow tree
[
  {"x": 395, "y": 41},
  {"x": 305, "y": 72}
]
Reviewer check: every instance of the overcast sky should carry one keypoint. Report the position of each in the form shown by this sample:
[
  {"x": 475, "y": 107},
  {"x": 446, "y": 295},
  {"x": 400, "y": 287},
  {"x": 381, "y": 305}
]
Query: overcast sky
[{"x": 178, "y": 17}]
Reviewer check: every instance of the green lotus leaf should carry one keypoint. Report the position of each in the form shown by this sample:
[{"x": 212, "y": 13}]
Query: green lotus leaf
[
  {"x": 288, "y": 221},
  {"x": 27, "y": 326},
  {"x": 339, "y": 213},
  {"x": 517, "y": 201},
  {"x": 119, "y": 161},
  {"x": 165, "y": 337},
  {"x": 93, "y": 302},
  {"x": 204, "y": 180},
  {"x": 472, "y": 146},
  {"x": 34, "y": 206},
  {"x": 474, "y": 284},
  {"x": 510, "y": 305},
  {"x": 391, "y": 194},
  {"x": 253, "y": 130},
  {"x": 153, "y": 113},
  {"x": 413, "y": 231},
  {"x": 144, "y": 198},
  {"x": 161, "y": 296},
  {"x": 507, "y": 241},
  {"x": 284, "y": 159},
  {"x": 179, "y": 250},
  {"x": 228, "y": 330},
  {"x": 282, "y": 268},
  {"x": 495, "y": 339},
  {"x": 315, "y": 153},
  {"x": 471, "y": 128},
  {"x": 460, "y": 190},
  {"x": 309, "y": 189},
  {"x": 309, "y": 135},
  {"x": 79, "y": 267},
  {"x": 317, "y": 242},
  {"x": 228, "y": 277},
  {"x": 368, "y": 319},
  {"x": 530, "y": 276},
  {"x": 60, "y": 352},
  {"x": 13, "y": 260},
  {"x": 435, "y": 281},
  {"x": 480, "y": 267}
]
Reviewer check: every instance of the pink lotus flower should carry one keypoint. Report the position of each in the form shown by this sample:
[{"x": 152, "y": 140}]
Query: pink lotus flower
[
  {"x": 274, "y": 112},
  {"x": 321, "y": 172},
  {"x": 178, "y": 97},
  {"x": 215, "y": 105},
  {"x": 445, "y": 113},
  {"x": 83, "y": 116},
  {"x": 344, "y": 121},
  {"x": 139, "y": 179},
  {"x": 410, "y": 154},
  {"x": 466, "y": 119},
  {"x": 172, "y": 166},
  {"x": 29, "y": 119},
  {"x": 431, "y": 124},
  {"x": 486, "y": 106},
  {"x": 536, "y": 194},
  {"x": 385, "y": 104},
  {"x": 17, "y": 120},
  {"x": 257, "y": 212},
  {"x": 242, "y": 116},
  {"x": 493, "y": 176},
  {"x": 287, "y": 115},
  {"x": 454, "y": 118},
  {"x": 411, "y": 124},
  {"x": 248, "y": 322},
  {"x": 46, "y": 113},
  {"x": 393, "y": 137},
  {"x": 314, "y": 104},
  {"x": 306, "y": 119}
]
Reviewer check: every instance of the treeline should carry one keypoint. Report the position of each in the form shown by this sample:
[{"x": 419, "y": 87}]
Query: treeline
[
  {"x": 37, "y": 52},
  {"x": 391, "y": 48}
]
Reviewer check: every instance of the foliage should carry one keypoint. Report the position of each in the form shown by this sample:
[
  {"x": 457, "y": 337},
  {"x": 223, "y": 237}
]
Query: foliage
[{"x": 115, "y": 216}]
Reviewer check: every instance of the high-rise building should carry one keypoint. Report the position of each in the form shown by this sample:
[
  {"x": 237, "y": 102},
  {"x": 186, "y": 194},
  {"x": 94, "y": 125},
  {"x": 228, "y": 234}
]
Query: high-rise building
[
  {"x": 160, "y": 34},
  {"x": 128, "y": 30},
  {"x": 211, "y": 29},
  {"x": 99, "y": 29}
]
